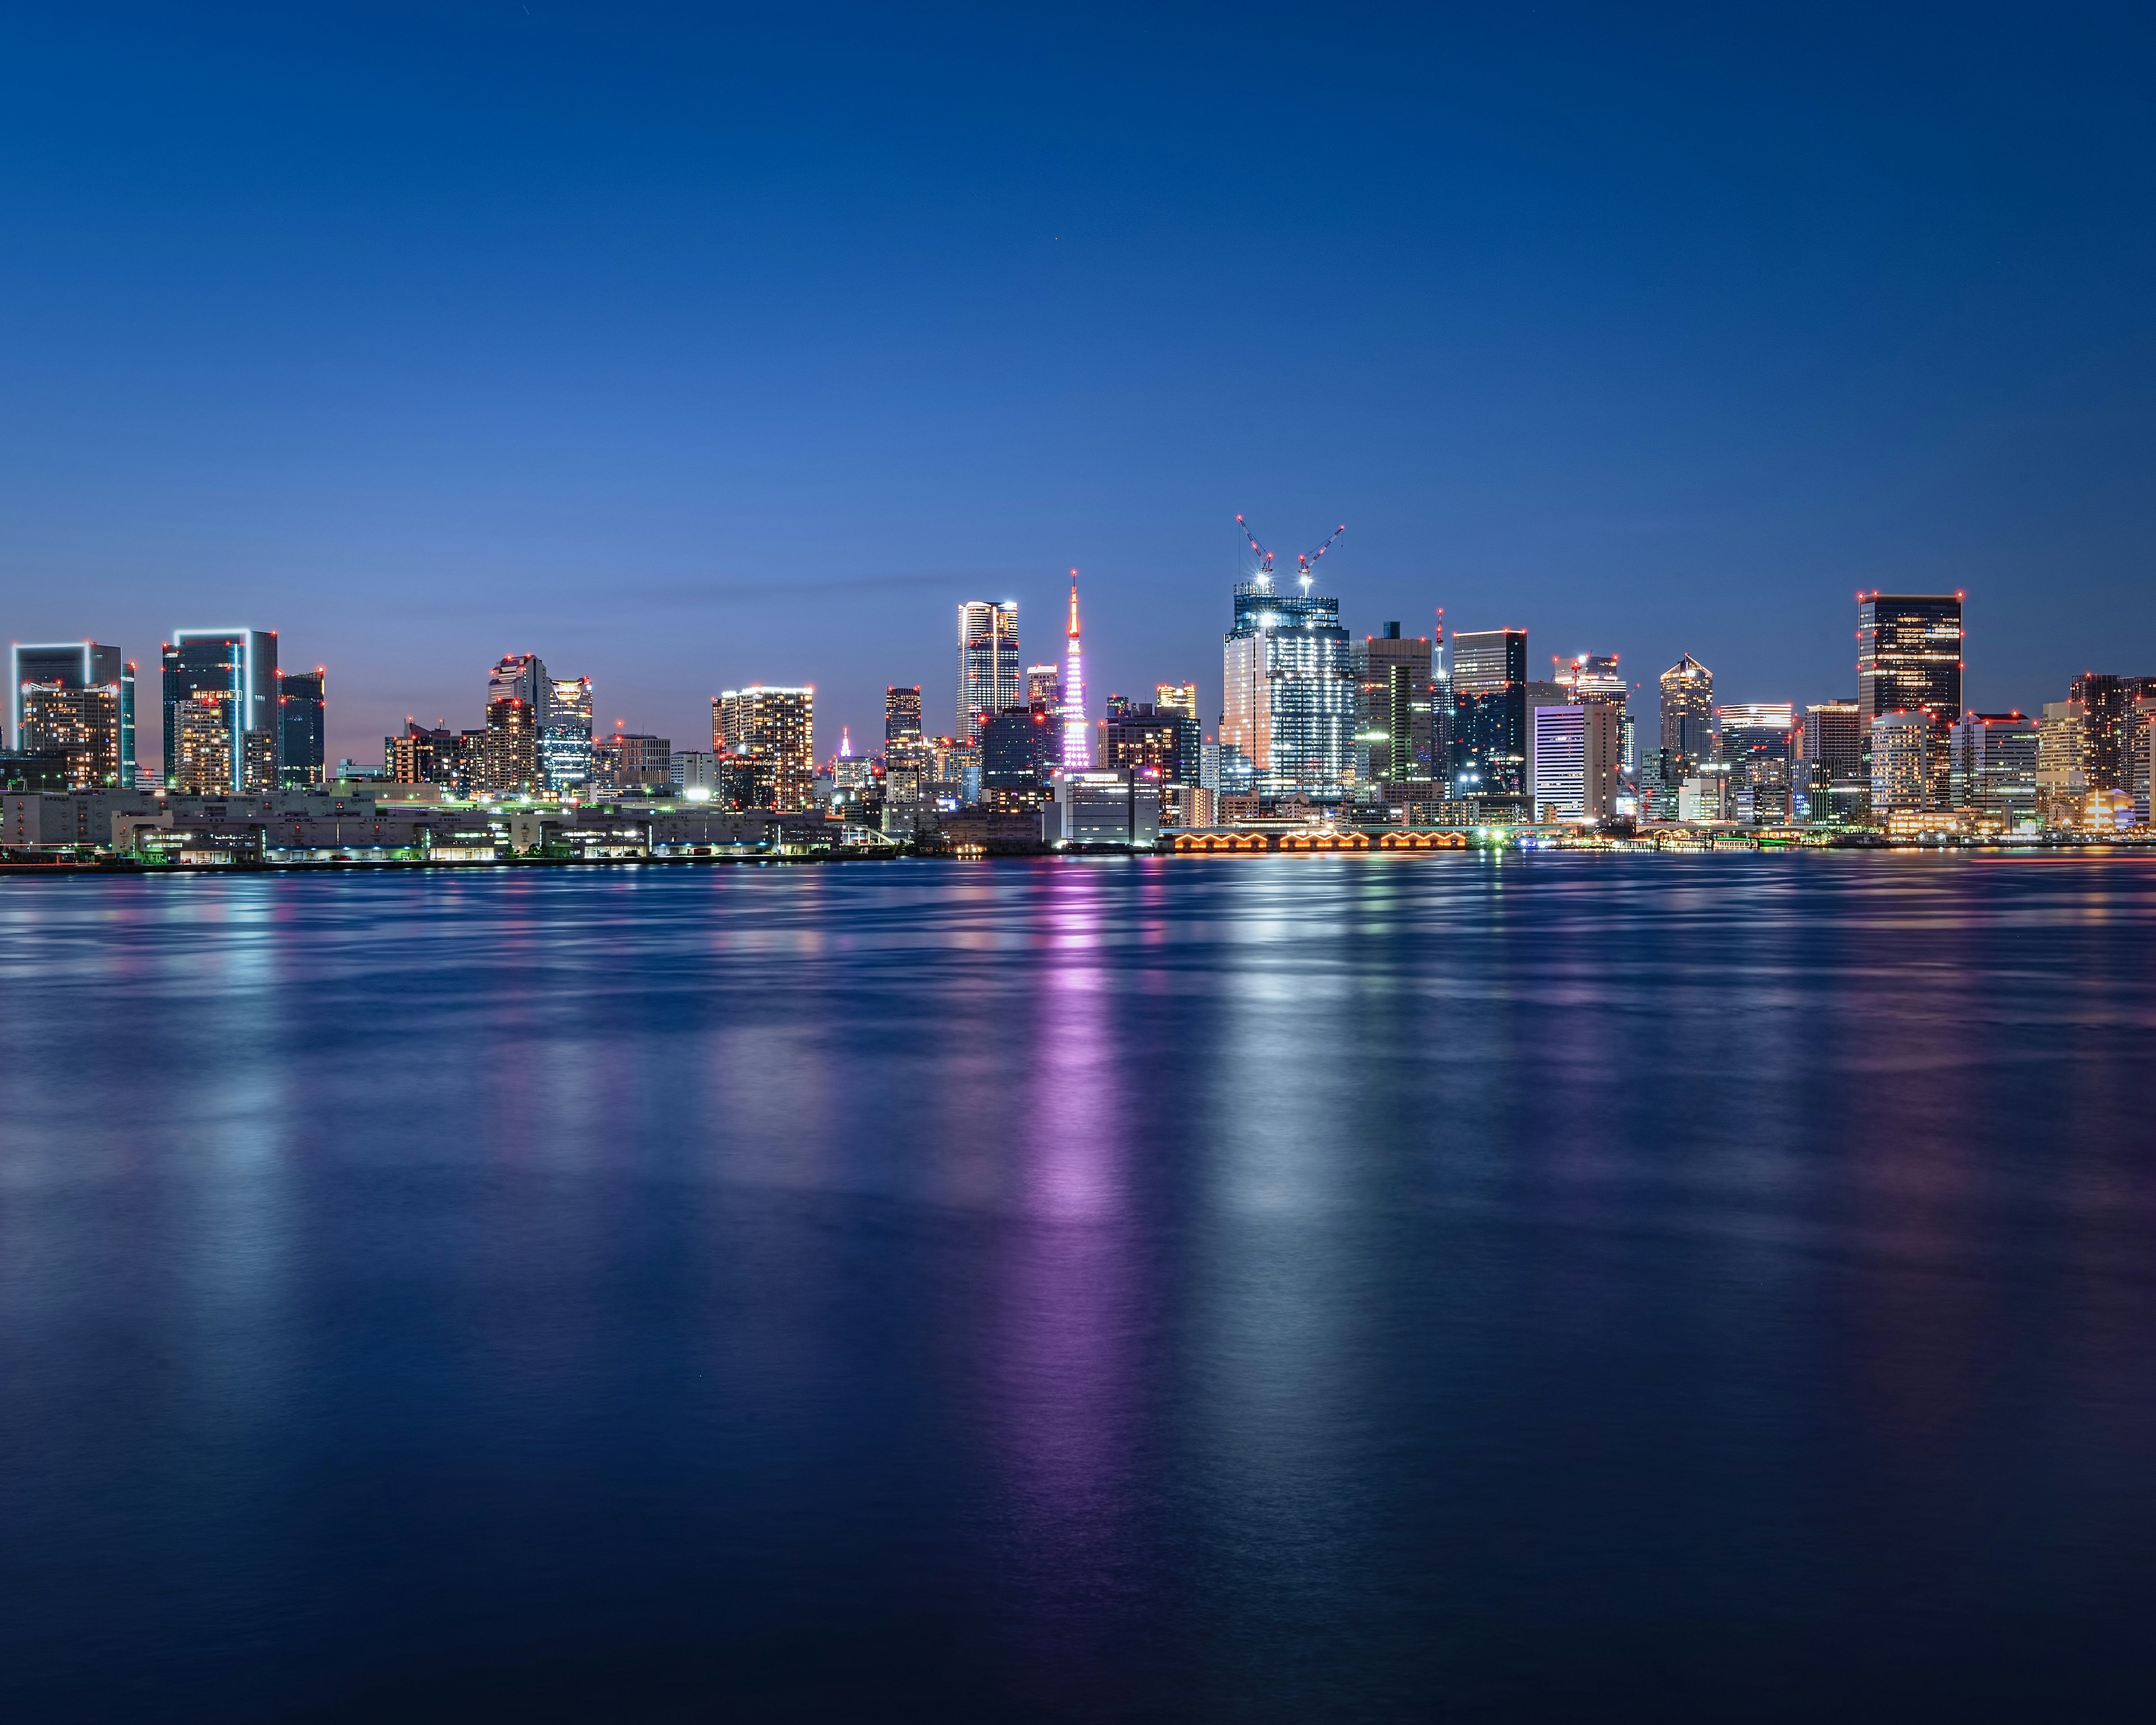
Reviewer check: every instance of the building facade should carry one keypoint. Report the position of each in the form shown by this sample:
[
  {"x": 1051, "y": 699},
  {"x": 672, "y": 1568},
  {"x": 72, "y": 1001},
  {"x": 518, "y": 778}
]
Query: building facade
[
  {"x": 77, "y": 698},
  {"x": 238, "y": 667},
  {"x": 1491, "y": 739},
  {"x": 1396, "y": 721},
  {"x": 987, "y": 662},
  {"x": 565, "y": 737},
  {"x": 1287, "y": 714},
  {"x": 1993, "y": 770},
  {"x": 302, "y": 721},
  {"x": 775, "y": 724}
]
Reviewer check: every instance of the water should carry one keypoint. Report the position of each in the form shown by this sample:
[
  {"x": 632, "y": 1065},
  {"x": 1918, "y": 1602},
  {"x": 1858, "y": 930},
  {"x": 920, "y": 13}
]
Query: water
[{"x": 1269, "y": 1288}]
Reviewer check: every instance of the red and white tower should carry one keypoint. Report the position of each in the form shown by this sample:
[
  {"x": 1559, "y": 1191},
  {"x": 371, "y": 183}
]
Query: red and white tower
[{"x": 1077, "y": 734}]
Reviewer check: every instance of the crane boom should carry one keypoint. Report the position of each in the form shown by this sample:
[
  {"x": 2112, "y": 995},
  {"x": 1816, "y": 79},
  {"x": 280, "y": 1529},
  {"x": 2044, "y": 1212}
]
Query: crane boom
[
  {"x": 1308, "y": 559},
  {"x": 1264, "y": 557}
]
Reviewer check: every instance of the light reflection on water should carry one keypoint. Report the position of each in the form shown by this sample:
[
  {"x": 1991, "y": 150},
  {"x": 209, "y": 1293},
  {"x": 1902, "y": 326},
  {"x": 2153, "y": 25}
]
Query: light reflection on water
[{"x": 1285, "y": 1287}]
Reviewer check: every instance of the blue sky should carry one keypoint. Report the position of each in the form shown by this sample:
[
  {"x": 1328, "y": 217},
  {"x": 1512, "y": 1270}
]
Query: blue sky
[{"x": 688, "y": 347}]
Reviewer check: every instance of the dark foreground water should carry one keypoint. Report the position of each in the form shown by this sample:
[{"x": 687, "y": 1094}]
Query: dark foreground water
[{"x": 1285, "y": 1288}]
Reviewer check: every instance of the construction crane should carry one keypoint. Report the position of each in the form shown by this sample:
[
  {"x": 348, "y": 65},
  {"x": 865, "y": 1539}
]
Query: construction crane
[
  {"x": 1264, "y": 557},
  {"x": 1308, "y": 559}
]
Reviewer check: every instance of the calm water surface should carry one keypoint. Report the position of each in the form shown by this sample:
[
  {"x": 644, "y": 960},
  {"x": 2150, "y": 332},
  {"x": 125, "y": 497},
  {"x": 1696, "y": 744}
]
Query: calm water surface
[{"x": 1283, "y": 1288}]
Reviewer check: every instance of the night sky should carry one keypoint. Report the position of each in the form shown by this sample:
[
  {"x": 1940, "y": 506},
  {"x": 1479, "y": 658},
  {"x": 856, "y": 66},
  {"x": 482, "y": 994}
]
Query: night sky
[{"x": 687, "y": 349}]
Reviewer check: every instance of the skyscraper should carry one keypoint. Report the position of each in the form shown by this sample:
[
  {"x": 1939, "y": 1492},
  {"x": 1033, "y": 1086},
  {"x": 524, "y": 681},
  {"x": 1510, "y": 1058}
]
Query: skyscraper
[
  {"x": 902, "y": 716},
  {"x": 75, "y": 699},
  {"x": 302, "y": 714},
  {"x": 565, "y": 740},
  {"x": 237, "y": 666},
  {"x": 1394, "y": 732},
  {"x": 520, "y": 676},
  {"x": 1831, "y": 772},
  {"x": 1909, "y": 655},
  {"x": 987, "y": 662},
  {"x": 1491, "y": 738},
  {"x": 2112, "y": 722},
  {"x": 1755, "y": 748},
  {"x": 1992, "y": 771},
  {"x": 510, "y": 756},
  {"x": 1687, "y": 712},
  {"x": 1077, "y": 742},
  {"x": 1044, "y": 686},
  {"x": 1575, "y": 755},
  {"x": 1176, "y": 698},
  {"x": 1593, "y": 679},
  {"x": 776, "y": 726},
  {"x": 1287, "y": 717}
]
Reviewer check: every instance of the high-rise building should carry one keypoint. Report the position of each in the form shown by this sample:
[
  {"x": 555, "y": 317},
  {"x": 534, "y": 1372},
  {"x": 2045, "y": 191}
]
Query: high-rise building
[
  {"x": 1593, "y": 679},
  {"x": 1491, "y": 738},
  {"x": 1287, "y": 714},
  {"x": 1144, "y": 739},
  {"x": 1176, "y": 698},
  {"x": 423, "y": 756},
  {"x": 1394, "y": 722},
  {"x": 564, "y": 738},
  {"x": 1020, "y": 749},
  {"x": 302, "y": 715},
  {"x": 1575, "y": 762},
  {"x": 239, "y": 667},
  {"x": 1755, "y": 745},
  {"x": 1830, "y": 773},
  {"x": 634, "y": 764},
  {"x": 1687, "y": 713},
  {"x": 1993, "y": 770},
  {"x": 2061, "y": 768},
  {"x": 901, "y": 715},
  {"x": 1077, "y": 743},
  {"x": 775, "y": 724},
  {"x": 1909, "y": 655},
  {"x": 520, "y": 676},
  {"x": 202, "y": 761},
  {"x": 987, "y": 662},
  {"x": 2111, "y": 724},
  {"x": 75, "y": 701},
  {"x": 510, "y": 765},
  {"x": 1903, "y": 747},
  {"x": 1044, "y": 686}
]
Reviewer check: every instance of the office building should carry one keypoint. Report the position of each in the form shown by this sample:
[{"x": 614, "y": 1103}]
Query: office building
[
  {"x": 302, "y": 718},
  {"x": 1903, "y": 768},
  {"x": 510, "y": 757},
  {"x": 1176, "y": 698},
  {"x": 1993, "y": 769},
  {"x": 901, "y": 715},
  {"x": 1575, "y": 756},
  {"x": 1394, "y": 723},
  {"x": 1102, "y": 810},
  {"x": 1755, "y": 741},
  {"x": 1491, "y": 738},
  {"x": 565, "y": 736},
  {"x": 1020, "y": 748},
  {"x": 238, "y": 666},
  {"x": 2062, "y": 774},
  {"x": 775, "y": 724},
  {"x": 633, "y": 763},
  {"x": 1687, "y": 713},
  {"x": 423, "y": 755},
  {"x": 987, "y": 663},
  {"x": 83, "y": 694},
  {"x": 520, "y": 676},
  {"x": 1044, "y": 686},
  {"x": 1593, "y": 679},
  {"x": 1142, "y": 739},
  {"x": 205, "y": 743},
  {"x": 1287, "y": 718},
  {"x": 1829, "y": 775},
  {"x": 1909, "y": 655},
  {"x": 2112, "y": 728},
  {"x": 694, "y": 775},
  {"x": 1077, "y": 741}
]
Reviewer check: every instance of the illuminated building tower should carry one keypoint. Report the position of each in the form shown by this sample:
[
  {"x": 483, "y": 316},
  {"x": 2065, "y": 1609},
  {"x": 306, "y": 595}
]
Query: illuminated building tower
[
  {"x": 633, "y": 763},
  {"x": 2061, "y": 757},
  {"x": 1688, "y": 712},
  {"x": 239, "y": 667},
  {"x": 302, "y": 711},
  {"x": 987, "y": 662},
  {"x": 1755, "y": 748},
  {"x": 565, "y": 739},
  {"x": 1909, "y": 660},
  {"x": 902, "y": 716},
  {"x": 421, "y": 755},
  {"x": 1019, "y": 749},
  {"x": 204, "y": 739},
  {"x": 777, "y": 726},
  {"x": 1575, "y": 754},
  {"x": 1151, "y": 741},
  {"x": 1902, "y": 757},
  {"x": 2112, "y": 728},
  {"x": 1593, "y": 679},
  {"x": 1077, "y": 745},
  {"x": 1491, "y": 738},
  {"x": 1829, "y": 772},
  {"x": 1994, "y": 768},
  {"x": 75, "y": 701},
  {"x": 520, "y": 676},
  {"x": 1044, "y": 686},
  {"x": 1394, "y": 733},
  {"x": 1176, "y": 698},
  {"x": 509, "y": 758},
  {"x": 1288, "y": 692}
]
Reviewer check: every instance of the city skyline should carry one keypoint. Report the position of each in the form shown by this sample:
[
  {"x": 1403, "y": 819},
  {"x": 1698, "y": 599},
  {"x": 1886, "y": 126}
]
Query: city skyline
[{"x": 1639, "y": 347}]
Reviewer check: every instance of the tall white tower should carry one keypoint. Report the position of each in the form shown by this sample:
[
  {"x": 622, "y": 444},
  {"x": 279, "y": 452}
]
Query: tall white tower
[{"x": 1077, "y": 734}]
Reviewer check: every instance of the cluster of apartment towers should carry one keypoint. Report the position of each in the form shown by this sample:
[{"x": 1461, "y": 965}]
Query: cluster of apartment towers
[{"x": 1423, "y": 730}]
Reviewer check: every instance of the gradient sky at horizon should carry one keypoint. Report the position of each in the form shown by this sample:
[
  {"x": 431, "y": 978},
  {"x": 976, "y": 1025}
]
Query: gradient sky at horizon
[{"x": 689, "y": 347}]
